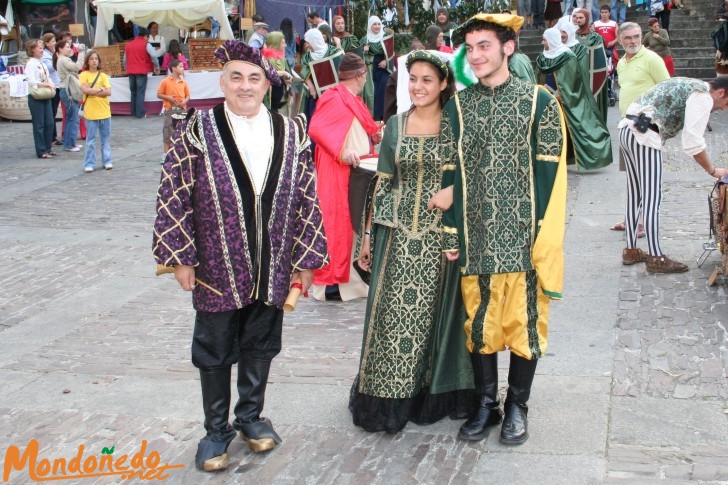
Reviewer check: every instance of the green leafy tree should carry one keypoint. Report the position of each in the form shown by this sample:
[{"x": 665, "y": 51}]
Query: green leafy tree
[{"x": 420, "y": 18}]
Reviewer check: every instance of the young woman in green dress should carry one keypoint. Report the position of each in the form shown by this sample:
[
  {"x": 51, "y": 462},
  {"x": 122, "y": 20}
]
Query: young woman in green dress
[
  {"x": 414, "y": 364},
  {"x": 348, "y": 41}
]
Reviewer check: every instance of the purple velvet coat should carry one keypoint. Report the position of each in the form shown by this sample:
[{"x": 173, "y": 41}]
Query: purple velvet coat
[{"x": 208, "y": 215}]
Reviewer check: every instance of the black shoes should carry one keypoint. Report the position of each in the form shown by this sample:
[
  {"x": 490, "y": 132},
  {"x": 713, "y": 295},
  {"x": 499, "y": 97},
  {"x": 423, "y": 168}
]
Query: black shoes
[
  {"x": 515, "y": 424},
  {"x": 485, "y": 373},
  {"x": 514, "y": 430},
  {"x": 488, "y": 414}
]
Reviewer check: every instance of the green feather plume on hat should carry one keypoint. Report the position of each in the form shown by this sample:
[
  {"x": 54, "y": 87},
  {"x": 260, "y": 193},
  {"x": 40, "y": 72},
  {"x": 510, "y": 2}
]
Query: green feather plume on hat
[{"x": 463, "y": 73}]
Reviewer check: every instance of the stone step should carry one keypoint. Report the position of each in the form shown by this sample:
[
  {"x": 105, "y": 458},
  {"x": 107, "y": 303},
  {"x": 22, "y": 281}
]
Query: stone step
[
  {"x": 693, "y": 52},
  {"x": 700, "y": 73},
  {"x": 694, "y": 62}
]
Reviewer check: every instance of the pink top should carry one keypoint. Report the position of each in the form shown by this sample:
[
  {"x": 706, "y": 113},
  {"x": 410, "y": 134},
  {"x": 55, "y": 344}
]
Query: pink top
[{"x": 167, "y": 59}]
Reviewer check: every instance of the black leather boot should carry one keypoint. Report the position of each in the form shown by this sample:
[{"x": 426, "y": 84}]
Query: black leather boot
[
  {"x": 212, "y": 449},
  {"x": 256, "y": 431},
  {"x": 515, "y": 422},
  {"x": 485, "y": 373}
]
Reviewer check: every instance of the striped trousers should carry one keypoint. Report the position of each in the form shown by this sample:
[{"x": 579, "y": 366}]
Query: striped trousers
[{"x": 644, "y": 188}]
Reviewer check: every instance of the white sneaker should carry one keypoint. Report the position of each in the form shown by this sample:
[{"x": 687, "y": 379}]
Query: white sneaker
[
  {"x": 88, "y": 169},
  {"x": 108, "y": 166},
  {"x": 74, "y": 149}
]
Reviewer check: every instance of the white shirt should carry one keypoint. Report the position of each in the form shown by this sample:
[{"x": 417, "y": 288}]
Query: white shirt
[
  {"x": 158, "y": 40},
  {"x": 697, "y": 114},
  {"x": 254, "y": 139},
  {"x": 36, "y": 71}
]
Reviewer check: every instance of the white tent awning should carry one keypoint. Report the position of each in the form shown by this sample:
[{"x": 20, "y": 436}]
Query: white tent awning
[{"x": 181, "y": 14}]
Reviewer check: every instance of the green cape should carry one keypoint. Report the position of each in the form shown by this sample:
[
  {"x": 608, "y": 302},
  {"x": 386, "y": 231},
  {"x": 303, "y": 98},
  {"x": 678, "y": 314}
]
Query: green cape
[
  {"x": 594, "y": 42},
  {"x": 592, "y": 144}
]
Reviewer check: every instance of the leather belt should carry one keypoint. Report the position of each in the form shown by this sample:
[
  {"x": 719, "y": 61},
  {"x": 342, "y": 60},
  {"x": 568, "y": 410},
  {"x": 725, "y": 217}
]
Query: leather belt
[{"x": 652, "y": 126}]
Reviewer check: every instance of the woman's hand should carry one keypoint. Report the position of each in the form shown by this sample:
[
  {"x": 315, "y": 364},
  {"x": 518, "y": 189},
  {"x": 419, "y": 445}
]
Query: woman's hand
[
  {"x": 442, "y": 199},
  {"x": 365, "y": 258},
  {"x": 383, "y": 65}
]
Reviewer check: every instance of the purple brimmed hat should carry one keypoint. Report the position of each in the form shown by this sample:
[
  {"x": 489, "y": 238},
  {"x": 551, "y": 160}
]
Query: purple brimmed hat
[{"x": 235, "y": 50}]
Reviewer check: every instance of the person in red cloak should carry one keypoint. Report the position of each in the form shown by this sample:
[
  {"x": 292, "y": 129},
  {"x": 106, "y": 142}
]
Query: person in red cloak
[{"x": 342, "y": 128}]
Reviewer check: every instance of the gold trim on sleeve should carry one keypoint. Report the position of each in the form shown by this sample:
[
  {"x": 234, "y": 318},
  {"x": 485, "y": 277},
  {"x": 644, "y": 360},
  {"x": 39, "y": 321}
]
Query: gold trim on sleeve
[
  {"x": 450, "y": 230},
  {"x": 449, "y": 166},
  {"x": 547, "y": 158}
]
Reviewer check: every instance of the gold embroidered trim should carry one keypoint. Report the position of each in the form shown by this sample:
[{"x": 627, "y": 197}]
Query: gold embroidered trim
[
  {"x": 450, "y": 230},
  {"x": 547, "y": 158},
  {"x": 530, "y": 168},
  {"x": 449, "y": 166}
]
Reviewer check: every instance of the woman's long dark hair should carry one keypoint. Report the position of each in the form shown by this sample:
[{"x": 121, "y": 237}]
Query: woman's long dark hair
[
  {"x": 88, "y": 56},
  {"x": 59, "y": 45},
  {"x": 173, "y": 49},
  {"x": 287, "y": 29}
]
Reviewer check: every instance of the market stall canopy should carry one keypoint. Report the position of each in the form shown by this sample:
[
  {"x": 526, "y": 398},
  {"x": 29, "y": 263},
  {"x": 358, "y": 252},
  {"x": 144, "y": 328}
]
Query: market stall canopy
[{"x": 177, "y": 13}]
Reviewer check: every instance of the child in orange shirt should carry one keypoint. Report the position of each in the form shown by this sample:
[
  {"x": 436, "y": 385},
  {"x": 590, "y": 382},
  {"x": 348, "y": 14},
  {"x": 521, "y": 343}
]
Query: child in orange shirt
[{"x": 175, "y": 93}]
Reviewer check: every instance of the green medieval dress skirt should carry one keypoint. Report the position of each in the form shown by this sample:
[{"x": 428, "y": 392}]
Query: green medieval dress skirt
[{"x": 414, "y": 364}]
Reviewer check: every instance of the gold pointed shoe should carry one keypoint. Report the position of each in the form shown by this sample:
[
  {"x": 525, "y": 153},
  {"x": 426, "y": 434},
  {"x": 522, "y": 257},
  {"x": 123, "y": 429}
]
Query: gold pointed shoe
[
  {"x": 217, "y": 463},
  {"x": 259, "y": 435},
  {"x": 212, "y": 452},
  {"x": 261, "y": 445}
]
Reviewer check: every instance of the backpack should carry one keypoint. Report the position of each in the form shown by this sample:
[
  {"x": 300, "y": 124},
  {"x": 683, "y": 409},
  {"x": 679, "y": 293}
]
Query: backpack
[
  {"x": 720, "y": 38},
  {"x": 74, "y": 89}
]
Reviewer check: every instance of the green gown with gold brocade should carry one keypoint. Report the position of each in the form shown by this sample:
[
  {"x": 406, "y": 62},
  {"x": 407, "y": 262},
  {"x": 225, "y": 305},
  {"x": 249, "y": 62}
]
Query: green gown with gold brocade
[{"x": 414, "y": 364}]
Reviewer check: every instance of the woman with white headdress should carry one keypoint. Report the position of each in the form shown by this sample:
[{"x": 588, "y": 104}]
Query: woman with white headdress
[
  {"x": 568, "y": 37},
  {"x": 315, "y": 48},
  {"x": 378, "y": 69},
  {"x": 589, "y": 144}
]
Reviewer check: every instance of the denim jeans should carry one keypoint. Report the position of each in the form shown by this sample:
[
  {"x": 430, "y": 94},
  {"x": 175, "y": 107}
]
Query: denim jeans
[
  {"x": 72, "y": 120},
  {"x": 619, "y": 11},
  {"x": 42, "y": 116},
  {"x": 537, "y": 8},
  {"x": 103, "y": 128},
  {"x": 568, "y": 6},
  {"x": 137, "y": 86}
]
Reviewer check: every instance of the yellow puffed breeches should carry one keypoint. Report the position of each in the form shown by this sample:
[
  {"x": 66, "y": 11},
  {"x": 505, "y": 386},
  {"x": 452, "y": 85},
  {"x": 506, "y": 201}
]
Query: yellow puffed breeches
[{"x": 506, "y": 310}]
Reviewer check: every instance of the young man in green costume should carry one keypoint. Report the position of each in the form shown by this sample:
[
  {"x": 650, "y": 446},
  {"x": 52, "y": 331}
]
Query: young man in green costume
[{"x": 505, "y": 218}]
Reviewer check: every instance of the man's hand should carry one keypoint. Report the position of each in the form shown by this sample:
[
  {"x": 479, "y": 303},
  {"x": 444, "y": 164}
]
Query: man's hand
[
  {"x": 441, "y": 200},
  {"x": 305, "y": 277},
  {"x": 185, "y": 276},
  {"x": 452, "y": 255},
  {"x": 383, "y": 65},
  {"x": 350, "y": 157},
  {"x": 720, "y": 173}
]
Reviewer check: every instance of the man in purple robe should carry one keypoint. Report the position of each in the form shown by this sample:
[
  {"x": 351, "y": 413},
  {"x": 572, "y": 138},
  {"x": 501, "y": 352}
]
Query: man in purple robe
[{"x": 238, "y": 220}]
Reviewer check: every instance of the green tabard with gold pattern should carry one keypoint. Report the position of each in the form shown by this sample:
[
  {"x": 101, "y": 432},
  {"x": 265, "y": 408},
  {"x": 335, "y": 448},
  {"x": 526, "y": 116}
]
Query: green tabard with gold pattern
[{"x": 506, "y": 148}]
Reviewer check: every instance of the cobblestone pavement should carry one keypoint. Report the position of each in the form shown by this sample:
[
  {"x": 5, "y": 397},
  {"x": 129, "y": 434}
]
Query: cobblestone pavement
[{"x": 94, "y": 349}]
